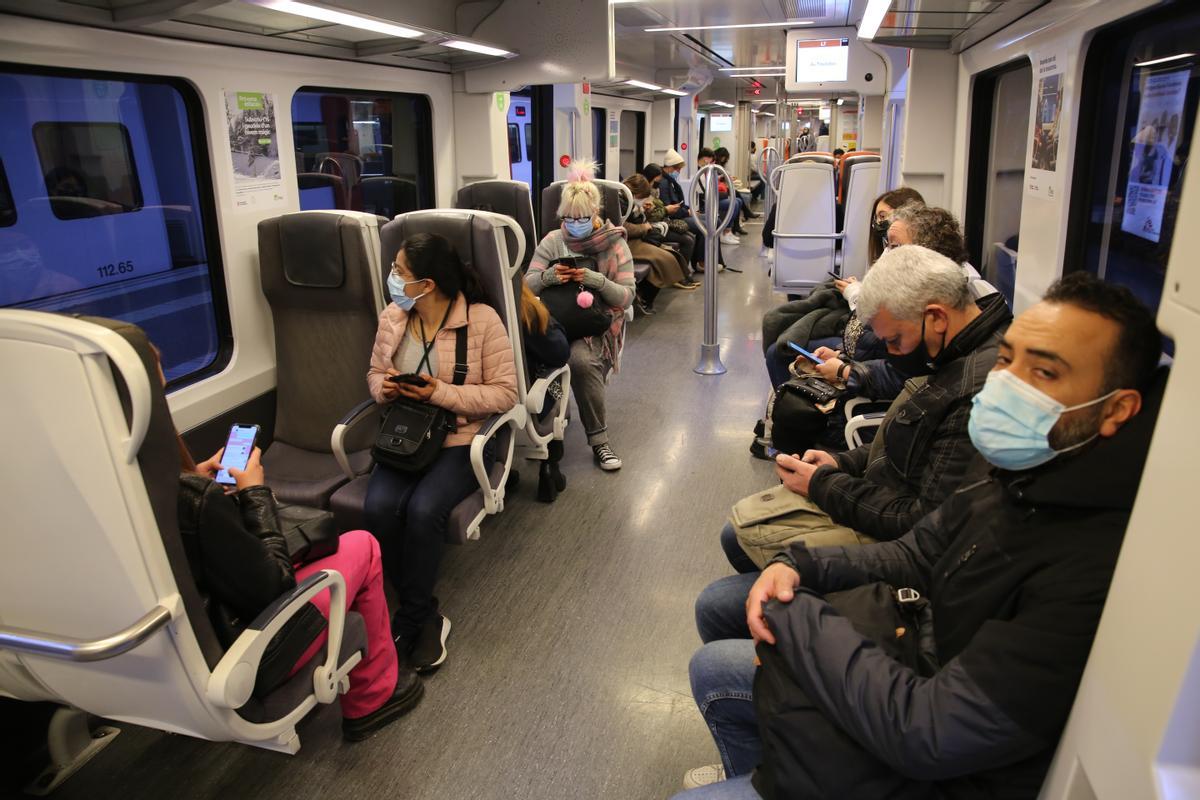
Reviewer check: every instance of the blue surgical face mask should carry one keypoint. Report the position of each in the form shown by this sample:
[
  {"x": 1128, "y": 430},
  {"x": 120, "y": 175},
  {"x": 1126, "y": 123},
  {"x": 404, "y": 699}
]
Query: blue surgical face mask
[
  {"x": 1010, "y": 422},
  {"x": 395, "y": 285},
  {"x": 578, "y": 228}
]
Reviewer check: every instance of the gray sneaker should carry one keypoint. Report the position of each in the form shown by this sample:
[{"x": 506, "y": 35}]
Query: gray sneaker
[{"x": 605, "y": 458}]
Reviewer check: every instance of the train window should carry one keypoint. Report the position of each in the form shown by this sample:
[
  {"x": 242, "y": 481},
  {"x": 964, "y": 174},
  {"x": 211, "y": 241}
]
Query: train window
[
  {"x": 1141, "y": 86},
  {"x": 8, "y": 211},
  {"x": 110, "y": 209},
  {"x": 364, "y": 151},
  {"x": 529, "y": 141},
  {"x": 514, "y": 143},
  {"x": 88, "y": 168},
  {"x": 996, "y": 182}
]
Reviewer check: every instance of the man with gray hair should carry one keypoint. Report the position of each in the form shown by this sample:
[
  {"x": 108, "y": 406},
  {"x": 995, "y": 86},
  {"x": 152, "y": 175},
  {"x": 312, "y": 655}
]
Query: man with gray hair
[{"x": 919, "y": 304}]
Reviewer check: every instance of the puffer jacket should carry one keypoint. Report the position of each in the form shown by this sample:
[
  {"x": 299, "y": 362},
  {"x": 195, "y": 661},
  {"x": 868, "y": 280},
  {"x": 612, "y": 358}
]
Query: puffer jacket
[
  {"x": 925, "y": 448},
  {"x": 491, "y": 384},
  {"x": 1016, "y": 568},
  {"x": 822, "y": 314}
]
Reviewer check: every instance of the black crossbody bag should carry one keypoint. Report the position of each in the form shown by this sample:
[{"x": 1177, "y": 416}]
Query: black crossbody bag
[{"x": 413, "y": 432}]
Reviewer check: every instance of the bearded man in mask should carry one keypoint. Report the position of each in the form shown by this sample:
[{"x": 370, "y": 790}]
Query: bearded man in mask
[
  {"x": 920, "y": 306},
  {"x": 998, "y": 592}
]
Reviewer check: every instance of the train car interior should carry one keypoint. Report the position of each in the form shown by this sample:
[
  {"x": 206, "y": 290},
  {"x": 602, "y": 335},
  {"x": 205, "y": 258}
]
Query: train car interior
[{"x": 712, "y": 399}]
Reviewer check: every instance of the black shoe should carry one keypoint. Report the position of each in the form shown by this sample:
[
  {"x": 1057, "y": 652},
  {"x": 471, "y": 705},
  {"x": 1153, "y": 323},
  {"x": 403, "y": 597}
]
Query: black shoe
[
  {"x": 407, "y": 694},
  {"x": 760, "y": 428},
  {"x": 645, "y": 307},
  {"x": 758, "y": 448},
  {"x": 429, "y": 649},
  {"x": 547, "y": 491}
]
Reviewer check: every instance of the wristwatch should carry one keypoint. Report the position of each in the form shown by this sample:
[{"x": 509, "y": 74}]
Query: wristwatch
[{"x": 842, "y": 371}]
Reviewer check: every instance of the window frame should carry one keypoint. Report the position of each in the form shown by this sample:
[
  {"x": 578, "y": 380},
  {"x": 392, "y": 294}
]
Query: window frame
[
  {"x": 130, "y": 158},
  {"x": 427, "y": 179},
  {"x": 197, "y": 133},
  {"x": 6, "y": 193}
]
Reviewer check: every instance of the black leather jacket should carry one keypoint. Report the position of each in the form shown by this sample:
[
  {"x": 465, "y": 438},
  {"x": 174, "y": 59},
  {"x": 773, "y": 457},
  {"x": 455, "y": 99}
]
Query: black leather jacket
[
  {"x": 925, "y": 446},
  {"x": 239, "y": 559}
]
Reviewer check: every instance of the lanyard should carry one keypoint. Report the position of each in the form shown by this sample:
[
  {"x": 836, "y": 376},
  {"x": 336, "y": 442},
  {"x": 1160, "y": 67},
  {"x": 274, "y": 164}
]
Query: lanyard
[{"x": 429, "y": 344}]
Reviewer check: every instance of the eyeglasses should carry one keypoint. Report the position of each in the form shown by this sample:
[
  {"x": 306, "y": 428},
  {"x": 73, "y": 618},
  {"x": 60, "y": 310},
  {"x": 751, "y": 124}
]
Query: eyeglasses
[{"x": 577, "y": 219}]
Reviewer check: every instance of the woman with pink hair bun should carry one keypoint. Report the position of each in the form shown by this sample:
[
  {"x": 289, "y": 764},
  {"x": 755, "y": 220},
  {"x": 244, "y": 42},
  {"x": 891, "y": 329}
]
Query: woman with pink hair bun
[{"x": 583, "y": 233}]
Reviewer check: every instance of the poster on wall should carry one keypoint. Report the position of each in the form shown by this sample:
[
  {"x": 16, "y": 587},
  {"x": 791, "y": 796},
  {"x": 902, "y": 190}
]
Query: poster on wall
[
  {"x": 254, "y": 149},
  {"x": 1153, "y": 152},
  {"x": 1043, "y": 180}
]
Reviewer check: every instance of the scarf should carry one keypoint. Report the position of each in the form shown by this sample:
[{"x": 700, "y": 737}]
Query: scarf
[{"x": 614, "y": 263}]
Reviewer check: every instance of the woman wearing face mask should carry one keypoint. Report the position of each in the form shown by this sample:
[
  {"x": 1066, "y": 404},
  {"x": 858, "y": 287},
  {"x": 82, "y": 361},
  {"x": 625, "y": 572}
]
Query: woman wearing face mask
[
  {"x": 433, "y": 295},
  {"x": 610, "y": 282}
]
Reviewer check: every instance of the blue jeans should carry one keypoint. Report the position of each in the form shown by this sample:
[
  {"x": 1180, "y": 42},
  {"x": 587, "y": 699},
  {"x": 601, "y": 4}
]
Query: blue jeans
[
  {"x": 733, "y": 789},
  {"x": 734, "y": 552},
  {"x": 408, "y": 514},
  {"x": 722, "y": 677},
  {"x": 721, "y": 608},
  {"x": 777, "y": 366}
]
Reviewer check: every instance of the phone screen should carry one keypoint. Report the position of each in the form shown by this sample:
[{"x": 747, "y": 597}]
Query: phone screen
[
  {"x": 805, "y": 353},
  {"x": 238, "y": 448}
]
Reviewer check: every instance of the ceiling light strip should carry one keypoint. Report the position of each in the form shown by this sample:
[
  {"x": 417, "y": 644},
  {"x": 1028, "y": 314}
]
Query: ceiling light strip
[
  {"x": 751, "y": 69},
  {"x": 872, "y": 18},
  {"x": 643, "y": 85},
  {"x": 339, "y": 17},
  {"x": 787, "y": 24},
  {"x": 1163, "y": 60},
  {"x": 476, "y": 47}
]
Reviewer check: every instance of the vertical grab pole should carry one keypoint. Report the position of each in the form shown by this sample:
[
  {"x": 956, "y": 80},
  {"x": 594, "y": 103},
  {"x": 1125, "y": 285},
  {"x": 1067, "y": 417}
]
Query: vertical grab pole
[
  {"x": 765, "y": 172},
  {"x": 711, "y": 226}
]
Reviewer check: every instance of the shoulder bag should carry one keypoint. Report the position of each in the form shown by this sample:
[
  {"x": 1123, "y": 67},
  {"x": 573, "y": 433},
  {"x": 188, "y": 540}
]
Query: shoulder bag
[
  {"x": 413, "y": 432},
  {"x": 562, "y": 301}
]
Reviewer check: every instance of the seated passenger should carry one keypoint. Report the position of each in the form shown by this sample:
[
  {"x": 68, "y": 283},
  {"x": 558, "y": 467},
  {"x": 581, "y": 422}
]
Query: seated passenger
[
  {"x": 707, "y": 156},
  {"x": 678, "y": 232},
  {"x": 1015, "y": 568},
  {"x": 917, "y": 303},
  {"x": 645, "y": 238},
  {"x": 546, "y": 349},
  {"x": 722, "y": 156},
  {"x": 433, "y": 295},
  {"x": 585, "y": 233},
  {"x": 672, "y": 196},
  {"x": 757, "y": 185},
  {"x": 241, "y": 561}
]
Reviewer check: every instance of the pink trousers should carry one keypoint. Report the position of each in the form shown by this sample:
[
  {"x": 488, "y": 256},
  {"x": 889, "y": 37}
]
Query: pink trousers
[{"x": 374, "y": 679}]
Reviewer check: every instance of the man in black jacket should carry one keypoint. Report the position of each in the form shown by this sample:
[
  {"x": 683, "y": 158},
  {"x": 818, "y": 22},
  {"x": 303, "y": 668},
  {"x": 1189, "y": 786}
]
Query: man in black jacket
[
  {"x": 919, "y": 304},
  {"x": 1015, "y": 568}
]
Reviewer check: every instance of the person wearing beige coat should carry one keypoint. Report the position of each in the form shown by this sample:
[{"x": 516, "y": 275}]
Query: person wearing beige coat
[{"x": 434, "y": 295}]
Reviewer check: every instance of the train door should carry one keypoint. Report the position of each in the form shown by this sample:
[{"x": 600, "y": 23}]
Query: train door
[
  {"x": 600, "y": 140},
  {"x": 632, "y": 141},
  {"x": 520, "y": 146}
]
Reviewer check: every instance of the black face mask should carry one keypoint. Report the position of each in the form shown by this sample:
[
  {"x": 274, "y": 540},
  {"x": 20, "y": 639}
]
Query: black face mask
[
  {"x": 918, "y": 361},
  {"x": 880, "y": 228}
]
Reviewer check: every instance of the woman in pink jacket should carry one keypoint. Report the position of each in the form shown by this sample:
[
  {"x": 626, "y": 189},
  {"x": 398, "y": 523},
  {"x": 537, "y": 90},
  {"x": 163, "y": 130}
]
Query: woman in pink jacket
[{"x": 433, "y": 295}]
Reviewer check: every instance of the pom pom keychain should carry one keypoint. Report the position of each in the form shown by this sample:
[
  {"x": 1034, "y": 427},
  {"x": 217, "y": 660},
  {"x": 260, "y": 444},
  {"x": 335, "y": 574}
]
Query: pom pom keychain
[{"x": 585, "y": 299}]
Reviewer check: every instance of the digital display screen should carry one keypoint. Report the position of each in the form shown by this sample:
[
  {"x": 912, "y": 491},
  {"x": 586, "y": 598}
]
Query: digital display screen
[
  {"x": 822, "y": 60},
  {"x": 237, "y": 451},
  {"x": 720, "y": 122}
]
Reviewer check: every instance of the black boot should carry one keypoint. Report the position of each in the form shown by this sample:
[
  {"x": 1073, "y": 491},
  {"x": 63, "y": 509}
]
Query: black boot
[{"x": 551, "y": 481}]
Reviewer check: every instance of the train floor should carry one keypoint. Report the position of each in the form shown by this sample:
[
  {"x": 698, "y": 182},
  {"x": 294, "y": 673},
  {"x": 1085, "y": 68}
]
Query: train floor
[{"x": 572, "y": 622}]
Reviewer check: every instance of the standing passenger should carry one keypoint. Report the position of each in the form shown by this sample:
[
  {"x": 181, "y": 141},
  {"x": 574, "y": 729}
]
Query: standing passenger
[
  {"x": 584, "y": 233},
  {"x": 434, "y": 291}
]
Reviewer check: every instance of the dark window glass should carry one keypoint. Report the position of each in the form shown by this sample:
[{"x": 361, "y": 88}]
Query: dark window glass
[
  {"x": 363, "y": 151},
  {"x": 88, "y": 168},
  {"x": 1142, "y": 84},
  {"x": 109, "y": 181},
  {"x": 514, "y": 143},
  {"x": 8, "y": 210},
  {"x": 529, "y": 141}
]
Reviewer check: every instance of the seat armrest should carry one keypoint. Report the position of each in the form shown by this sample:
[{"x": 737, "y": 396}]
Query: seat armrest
[
  {"x": 232, "y": 680},
  {"x": 535, "y": 398},
  {"x": 493, "y": 496},
  {"x": 337, "y": 440},
  {"x": 860, "y": 423}
]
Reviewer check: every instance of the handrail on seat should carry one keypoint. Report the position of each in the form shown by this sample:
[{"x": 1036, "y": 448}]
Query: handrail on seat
[{"x": 83, "y": 650}]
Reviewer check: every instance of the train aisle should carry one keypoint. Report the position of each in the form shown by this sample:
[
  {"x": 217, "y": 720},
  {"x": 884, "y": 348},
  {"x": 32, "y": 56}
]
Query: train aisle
[{"x": 567, "y": 674}]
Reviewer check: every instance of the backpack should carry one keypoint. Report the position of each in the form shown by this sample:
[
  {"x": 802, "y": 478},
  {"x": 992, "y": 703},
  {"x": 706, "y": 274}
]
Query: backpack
[{"x": 798, "y": 413}]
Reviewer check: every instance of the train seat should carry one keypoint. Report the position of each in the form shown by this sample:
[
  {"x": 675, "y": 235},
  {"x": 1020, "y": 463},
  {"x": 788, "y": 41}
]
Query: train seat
[
  {"x": 330, "y": 190},
  {"x": 347, "y": 166},
  {"x": 318, "y": 271},
  {"x": 805, "y": 234},
  {"x": 547, "y": 421},
  {"x": 510, "y": 198},
  {"x": 1004, "y": 270},
  {"x": 859, "y": 185},
  {"x": 101, "y": 612},
  {"x": 480, "y": 240}
]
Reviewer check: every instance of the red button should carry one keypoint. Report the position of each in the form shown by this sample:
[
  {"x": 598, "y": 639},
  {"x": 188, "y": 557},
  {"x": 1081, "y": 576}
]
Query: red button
[
  {"x": 564, "y": 160},
  {"x": 683, "y": 146}
]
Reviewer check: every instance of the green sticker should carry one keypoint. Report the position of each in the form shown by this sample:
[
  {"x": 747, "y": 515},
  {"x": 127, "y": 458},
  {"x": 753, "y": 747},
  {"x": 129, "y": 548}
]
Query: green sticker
[
  {"x": 587, "y": 106},
  {"x": 500, "y": 100},
  {"x": 249, "y": 101},
  {"x": 264, "y": 141},
  {"x": 716, "y": 141},
  {"x": 614, "y": 140}
]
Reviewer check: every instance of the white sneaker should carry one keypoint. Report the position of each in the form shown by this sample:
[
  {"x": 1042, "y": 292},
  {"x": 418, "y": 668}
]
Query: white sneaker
[
  {"x": 703, "y": 776},
  {"x": 729, "y": 238}
]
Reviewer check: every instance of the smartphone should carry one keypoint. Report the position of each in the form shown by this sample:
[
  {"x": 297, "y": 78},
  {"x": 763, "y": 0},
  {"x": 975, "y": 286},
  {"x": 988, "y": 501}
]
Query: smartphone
[
  {"x": 805, "y": 353},
  {"x": 238, "y": 448},
  {"x": 409, "y": 378},
  {"x": 834, "y": 275}
]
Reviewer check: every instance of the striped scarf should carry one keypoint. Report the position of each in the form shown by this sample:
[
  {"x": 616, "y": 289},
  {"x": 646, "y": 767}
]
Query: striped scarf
[{"x": 614, "y": 263}]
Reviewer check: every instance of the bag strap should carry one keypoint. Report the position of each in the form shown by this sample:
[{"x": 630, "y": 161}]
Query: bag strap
[
  {"x": 431, "y": 342},
  {"x": 460, "y": 352}
]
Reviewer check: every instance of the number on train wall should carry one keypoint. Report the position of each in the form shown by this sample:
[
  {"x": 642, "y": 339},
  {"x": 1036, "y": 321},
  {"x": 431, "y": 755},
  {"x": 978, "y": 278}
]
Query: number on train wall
[{"x": 115, "y": 270}]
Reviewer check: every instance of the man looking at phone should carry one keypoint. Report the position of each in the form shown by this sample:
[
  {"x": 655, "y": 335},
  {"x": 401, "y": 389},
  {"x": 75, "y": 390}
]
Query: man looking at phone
[{"x": 919, "y": 304}]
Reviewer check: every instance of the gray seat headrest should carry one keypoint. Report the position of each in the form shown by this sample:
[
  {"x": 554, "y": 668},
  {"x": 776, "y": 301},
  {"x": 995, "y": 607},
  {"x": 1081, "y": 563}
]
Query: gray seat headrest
[{"x": 311, "y": 249}]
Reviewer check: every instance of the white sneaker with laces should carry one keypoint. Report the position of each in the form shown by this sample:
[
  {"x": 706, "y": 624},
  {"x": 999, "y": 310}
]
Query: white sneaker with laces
[
  {"x": 606, "y": 459},
  {"x": 729, "y": 238},
  {"x": 703, "y": 776}
]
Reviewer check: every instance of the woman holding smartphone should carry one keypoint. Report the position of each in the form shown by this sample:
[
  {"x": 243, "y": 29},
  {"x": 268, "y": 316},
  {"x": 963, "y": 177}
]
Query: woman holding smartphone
[
  {"x": 434, "y": 295},
  {"x": 584, "y": 233}
]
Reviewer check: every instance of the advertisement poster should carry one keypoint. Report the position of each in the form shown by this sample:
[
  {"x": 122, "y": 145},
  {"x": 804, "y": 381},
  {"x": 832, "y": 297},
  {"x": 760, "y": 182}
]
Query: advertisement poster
[
  {"x": 1043, "y": 165},
  {"x": 254, "y": 147},
  {"x": 1153, "y": 156}
]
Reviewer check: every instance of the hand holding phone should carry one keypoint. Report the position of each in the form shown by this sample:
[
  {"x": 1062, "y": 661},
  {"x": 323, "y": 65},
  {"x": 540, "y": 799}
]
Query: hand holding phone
[
  {"x": 238, "y": 449},
  {"x": 410, "y": 378},
  {"x": 811, "y": 357}
]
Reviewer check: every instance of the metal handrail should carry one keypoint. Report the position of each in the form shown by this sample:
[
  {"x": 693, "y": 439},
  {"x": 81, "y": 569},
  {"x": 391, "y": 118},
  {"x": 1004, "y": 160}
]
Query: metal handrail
[{"x": 83, "y": 650}]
